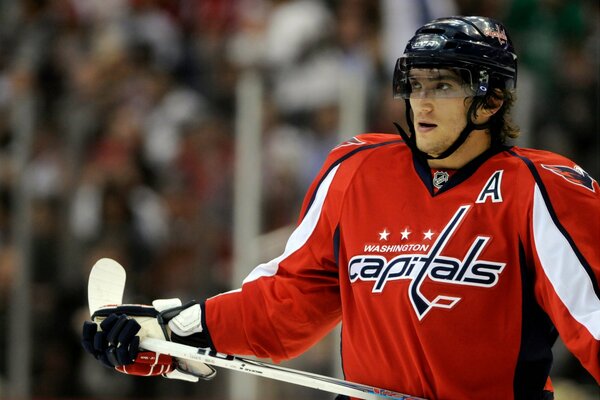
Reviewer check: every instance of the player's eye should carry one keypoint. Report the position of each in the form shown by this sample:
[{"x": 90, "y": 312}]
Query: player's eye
[
  {"x": 444, "y": 86},
  {"x": 415, "y": 85}
]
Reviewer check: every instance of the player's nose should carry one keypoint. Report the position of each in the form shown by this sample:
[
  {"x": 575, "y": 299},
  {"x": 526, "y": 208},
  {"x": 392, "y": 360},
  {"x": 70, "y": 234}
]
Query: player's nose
[{"x": 421, "y": 105}]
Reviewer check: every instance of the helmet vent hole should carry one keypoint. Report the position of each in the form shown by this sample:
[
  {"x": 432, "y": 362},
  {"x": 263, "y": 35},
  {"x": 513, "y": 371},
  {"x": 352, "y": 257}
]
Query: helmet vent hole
[{"x": 433, "y": 30}]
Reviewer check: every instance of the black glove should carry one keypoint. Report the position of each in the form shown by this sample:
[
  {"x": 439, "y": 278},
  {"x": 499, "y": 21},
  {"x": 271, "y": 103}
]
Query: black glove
[{"x": 116, "y": 343}]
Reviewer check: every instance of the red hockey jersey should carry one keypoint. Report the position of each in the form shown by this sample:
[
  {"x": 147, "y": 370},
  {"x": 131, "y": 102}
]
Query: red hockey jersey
[{"x": 456, "y": 293}]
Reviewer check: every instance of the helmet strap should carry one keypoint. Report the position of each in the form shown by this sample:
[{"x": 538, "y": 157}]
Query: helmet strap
[{"x": 411, "y": 140}]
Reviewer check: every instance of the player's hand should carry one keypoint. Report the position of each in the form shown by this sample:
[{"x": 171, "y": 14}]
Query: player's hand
[
  {"x": 116, "y": 345},
  {"x": 113, "y": 338}
]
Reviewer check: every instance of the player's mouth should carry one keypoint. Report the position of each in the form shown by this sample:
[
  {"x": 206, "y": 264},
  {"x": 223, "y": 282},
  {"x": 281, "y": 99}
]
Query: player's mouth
[{"x": 424, "y": 126}]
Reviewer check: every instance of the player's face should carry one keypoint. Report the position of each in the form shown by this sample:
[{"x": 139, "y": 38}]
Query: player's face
[{"x": 440, "y": 101}]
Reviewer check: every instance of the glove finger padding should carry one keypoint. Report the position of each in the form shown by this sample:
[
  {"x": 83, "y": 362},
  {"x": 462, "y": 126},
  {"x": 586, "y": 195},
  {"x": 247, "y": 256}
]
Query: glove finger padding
[
  {"x": 87, "y": 336},
  {"x": 123, "y": 331},
  {"x": 123, "y": 345},
  {"x": 92, "y": 342},
  {"x": 111, "y": 337}
]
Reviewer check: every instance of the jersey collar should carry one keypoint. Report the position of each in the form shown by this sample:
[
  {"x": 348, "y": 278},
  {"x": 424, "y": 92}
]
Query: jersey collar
[{"x": 424, "y": 171}]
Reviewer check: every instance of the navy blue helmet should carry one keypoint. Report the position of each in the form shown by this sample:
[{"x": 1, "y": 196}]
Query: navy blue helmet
[{"x": 478, "y": 48}]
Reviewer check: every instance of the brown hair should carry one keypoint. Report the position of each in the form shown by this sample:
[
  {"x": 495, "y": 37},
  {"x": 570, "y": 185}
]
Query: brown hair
[{"x": 500, "y": 125}]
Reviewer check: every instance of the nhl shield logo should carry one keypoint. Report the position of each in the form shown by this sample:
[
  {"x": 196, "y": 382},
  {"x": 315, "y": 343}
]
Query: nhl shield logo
[{"x": 440, "y": 178}]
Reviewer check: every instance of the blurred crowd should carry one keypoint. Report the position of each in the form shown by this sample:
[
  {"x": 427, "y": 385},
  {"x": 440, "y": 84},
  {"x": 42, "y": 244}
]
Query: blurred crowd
[{"x": 117, "y": 125}]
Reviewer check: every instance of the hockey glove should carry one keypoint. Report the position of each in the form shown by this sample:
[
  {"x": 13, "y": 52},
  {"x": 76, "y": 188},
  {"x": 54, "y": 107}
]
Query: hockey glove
[{"x": 113, "y": 337}]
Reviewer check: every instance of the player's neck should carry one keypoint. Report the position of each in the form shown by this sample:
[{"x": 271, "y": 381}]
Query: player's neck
[{"x": 475, "y": 144}]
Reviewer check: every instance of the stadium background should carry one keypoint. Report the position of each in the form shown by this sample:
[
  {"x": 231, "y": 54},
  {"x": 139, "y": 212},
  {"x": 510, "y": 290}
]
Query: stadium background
[{"x": 120, "y": 126}]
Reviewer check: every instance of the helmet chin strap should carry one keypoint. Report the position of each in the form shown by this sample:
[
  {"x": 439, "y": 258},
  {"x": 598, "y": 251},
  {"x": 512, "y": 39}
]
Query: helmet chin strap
[{"x": 411, "y": 140}]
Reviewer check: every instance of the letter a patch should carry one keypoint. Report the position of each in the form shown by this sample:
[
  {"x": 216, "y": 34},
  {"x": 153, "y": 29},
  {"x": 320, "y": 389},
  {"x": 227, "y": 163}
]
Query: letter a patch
[{"x": 491, "y": 190}]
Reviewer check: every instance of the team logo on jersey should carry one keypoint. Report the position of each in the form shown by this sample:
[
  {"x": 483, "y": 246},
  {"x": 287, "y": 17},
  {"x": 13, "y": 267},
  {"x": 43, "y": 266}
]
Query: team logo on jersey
[
  {"x": 575, "y": 175},
  {"x": 440, "y": 178},
  {"x": 470, "y": 270}
]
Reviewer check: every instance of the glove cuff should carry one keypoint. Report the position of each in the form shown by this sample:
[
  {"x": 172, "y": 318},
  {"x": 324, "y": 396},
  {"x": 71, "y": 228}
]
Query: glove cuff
[
  {"x": 190, "y": 328},
  {"x": 186, "y": 325}
]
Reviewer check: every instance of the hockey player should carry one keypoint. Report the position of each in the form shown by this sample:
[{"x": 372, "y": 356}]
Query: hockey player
[{"x": 451, "y": 259}]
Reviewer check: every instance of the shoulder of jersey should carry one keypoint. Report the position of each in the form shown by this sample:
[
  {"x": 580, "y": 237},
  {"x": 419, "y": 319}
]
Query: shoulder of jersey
[
  {"x": 366, "y": 141},
  {"x": 556, "y": 169}
]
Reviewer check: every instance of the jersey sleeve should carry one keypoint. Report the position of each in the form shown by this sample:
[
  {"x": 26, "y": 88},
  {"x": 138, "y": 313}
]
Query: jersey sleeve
[
  {"x": 563, "y": 236},
  {"x": 289, "y": 303}
]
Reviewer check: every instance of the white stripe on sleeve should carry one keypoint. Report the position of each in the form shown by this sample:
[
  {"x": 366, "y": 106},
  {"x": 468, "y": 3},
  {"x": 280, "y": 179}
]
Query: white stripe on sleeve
[
  {"x": 300, "y": 235},
  {"x": 564, "y": 270}
]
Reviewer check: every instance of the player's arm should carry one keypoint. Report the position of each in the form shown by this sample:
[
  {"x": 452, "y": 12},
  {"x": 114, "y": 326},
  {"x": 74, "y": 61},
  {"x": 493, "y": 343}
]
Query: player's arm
[
  {"x": 288, "y": 304},
  {"x": 564, "y": 237}
]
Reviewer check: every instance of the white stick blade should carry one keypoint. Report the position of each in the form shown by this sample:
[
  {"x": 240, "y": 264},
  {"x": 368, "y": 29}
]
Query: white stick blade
[{"x": 106, "y": 284}]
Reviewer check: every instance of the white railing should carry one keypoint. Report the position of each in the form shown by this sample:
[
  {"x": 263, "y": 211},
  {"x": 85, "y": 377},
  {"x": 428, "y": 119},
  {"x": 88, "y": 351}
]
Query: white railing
[{"x": 251, "y": 247}]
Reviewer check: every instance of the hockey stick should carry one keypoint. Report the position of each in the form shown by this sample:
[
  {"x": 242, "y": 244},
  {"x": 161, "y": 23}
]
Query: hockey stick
[
  {"x": 272, "y": 371},
  {"x": 106, "y": 286}
]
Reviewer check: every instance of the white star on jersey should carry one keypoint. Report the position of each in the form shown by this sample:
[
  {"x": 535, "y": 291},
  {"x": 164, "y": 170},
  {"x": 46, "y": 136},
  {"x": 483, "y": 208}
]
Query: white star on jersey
[
  {"x": 428, "y": 235},
  {"x": 405, "y": 233},
  {"x": 384, "y": 235}
]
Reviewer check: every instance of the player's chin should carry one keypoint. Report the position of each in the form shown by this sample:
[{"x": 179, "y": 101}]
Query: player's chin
[{"x": 428, "y": 148}]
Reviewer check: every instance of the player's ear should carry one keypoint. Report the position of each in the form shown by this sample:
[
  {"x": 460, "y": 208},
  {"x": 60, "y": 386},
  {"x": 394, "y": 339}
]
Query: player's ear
[
  {"x": 493, "y": 102},
  {"x": 489, "y": 106}
]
